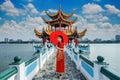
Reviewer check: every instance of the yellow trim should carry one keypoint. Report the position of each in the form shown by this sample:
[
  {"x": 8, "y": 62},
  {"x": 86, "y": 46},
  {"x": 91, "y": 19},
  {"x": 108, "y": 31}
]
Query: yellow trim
[
  {"x": 81, "y": 34},
  {"x": 38, "y": 34}
]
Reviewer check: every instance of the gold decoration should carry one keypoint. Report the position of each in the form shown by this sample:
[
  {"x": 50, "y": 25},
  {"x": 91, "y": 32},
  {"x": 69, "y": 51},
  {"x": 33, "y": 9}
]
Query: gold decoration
[
  {"x": 81, "y": 34},
  {"x": 38, "y": 34},
  {"x": 59, "y": 55}
]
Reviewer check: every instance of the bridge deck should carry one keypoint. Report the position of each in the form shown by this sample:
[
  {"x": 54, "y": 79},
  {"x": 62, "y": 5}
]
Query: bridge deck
[{"x": 49, "y": 73}]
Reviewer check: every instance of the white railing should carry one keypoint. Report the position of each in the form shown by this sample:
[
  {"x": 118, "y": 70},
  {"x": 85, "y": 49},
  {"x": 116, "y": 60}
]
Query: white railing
[
  {"x": 27, "y": 70},
  {"x": 92, "y": 70}
]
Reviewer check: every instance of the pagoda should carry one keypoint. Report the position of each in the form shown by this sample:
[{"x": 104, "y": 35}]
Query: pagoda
[{"x": 60, "y": 21}]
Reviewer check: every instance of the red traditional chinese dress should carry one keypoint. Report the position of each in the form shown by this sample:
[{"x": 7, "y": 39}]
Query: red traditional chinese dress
[{"x": 60, "y": 59}]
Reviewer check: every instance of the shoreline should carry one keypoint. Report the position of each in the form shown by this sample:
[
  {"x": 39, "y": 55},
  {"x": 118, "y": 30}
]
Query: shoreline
[{"x": 41, "y": 42}]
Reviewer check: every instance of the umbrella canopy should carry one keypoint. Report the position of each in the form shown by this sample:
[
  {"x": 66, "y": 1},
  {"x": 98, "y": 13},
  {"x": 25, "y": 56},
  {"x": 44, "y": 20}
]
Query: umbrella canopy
[{"x": 54, "y": 37}]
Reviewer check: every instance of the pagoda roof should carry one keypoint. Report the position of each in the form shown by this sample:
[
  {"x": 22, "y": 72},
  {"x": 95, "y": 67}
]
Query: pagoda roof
[
  {"x": 70, "y": 34},
  {"x": 60, "y": 12},
  {"x": 55, "y": 22},
  {"x": 60, "y": 19}
]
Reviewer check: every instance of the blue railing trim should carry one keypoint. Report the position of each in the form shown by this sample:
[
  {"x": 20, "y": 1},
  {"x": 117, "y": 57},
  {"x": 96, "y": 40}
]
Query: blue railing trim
[
  {"x": 31, "y": 67},
  {"x": 31, "y": 60},
  {"x": 75, "y": 57},
  {"x": 87, "y": 61},
  {"x": 87, "y": 68}
]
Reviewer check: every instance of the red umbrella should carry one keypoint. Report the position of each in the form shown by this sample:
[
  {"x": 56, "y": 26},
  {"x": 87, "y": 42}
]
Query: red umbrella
[{"x": 54, "y": 35}]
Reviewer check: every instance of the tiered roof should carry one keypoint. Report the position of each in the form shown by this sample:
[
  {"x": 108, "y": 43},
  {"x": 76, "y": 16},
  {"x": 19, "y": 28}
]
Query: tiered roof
[{"x": 60, "y": 18}]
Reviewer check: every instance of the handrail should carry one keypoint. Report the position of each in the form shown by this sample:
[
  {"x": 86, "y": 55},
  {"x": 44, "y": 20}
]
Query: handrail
[
  {"x": 8, "y": 73},
  {"x": 31, "y": 60},
  {"x": 109, "y": 74},
  {"x": 87, "y": 61}
]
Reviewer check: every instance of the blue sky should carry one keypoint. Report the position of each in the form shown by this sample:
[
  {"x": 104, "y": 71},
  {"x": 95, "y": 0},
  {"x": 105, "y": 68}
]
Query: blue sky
[{"x": 18, "y": 18}]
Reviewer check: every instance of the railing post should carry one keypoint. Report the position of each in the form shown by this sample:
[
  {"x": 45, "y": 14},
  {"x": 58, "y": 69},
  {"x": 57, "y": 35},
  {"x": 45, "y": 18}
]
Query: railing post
[
  {"x": 78, "y": 62},
  {"x": 77, "y": 51},
  {"x": 39, "y": 61},
  {"x": 41, "y": 64},
  {"x": 72, "y": 55},
  {"x": 20, "y": 66},
  {"x": 97, "y": 67}
]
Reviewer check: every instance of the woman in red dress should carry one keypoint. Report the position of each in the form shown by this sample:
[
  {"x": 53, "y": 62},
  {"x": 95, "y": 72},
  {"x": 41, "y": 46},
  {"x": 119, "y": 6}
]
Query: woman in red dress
[{"x": 60, "y": 66}]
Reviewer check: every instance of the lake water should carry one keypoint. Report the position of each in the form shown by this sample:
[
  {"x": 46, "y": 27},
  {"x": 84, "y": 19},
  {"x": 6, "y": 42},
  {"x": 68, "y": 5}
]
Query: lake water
[
  {"x": 111, "y": 53},
  {"x": 9, "y": 51}
]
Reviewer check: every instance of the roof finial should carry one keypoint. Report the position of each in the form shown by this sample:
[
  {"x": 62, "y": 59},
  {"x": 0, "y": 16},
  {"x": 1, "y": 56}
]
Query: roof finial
[{"x": 60, "y": 7}]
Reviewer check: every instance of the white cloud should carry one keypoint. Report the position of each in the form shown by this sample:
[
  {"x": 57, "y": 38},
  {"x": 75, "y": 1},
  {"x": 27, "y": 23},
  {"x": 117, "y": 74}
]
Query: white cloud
[
  {"x": 52, "y": 10},
  {"x": 49, "y": 11},
  {"x": 30, "y": 6},
  {"x": 104, "y": 31},
  {"x": 81, "y": 22},
  {"x": 112, "y": 9},
  {"x": 32, "y": 9},
  {"x": 10, "y": 9},
  {"x": 97, "y": 18},
  {"x": 11, "y": 30},
  {"x": 105, "y": 25},
  {"x": 93, "y": 13},
  {"x": 0, "y": 18},
  {"x": 104, "y": 18},
  {"x": 25, "y": 28},
  {"x": 99, "y": 29},
  {"x": 116, "y": 28},
  {"x": 91, "y": 8},
  {"x": 22, "y": 30},
  {"x": 43, "y": 13}
]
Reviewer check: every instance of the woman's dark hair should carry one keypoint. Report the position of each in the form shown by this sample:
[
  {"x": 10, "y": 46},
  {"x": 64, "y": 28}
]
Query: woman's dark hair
[{"x": 61, "y": 38}]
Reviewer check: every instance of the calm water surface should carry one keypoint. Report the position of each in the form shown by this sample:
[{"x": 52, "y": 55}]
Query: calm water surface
[
  {"x": 9, "y": 51},
  {"x": 110, "y": 52}
]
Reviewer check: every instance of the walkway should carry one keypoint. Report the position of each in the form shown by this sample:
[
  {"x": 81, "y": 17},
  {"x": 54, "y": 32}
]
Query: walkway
[{"x": 48, "y": 72}]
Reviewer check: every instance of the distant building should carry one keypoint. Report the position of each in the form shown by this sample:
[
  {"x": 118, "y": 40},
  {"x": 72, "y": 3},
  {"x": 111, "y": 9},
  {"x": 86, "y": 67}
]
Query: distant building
[
  {"x": 19, "y": 40},
  {"x": 11, "y": 40},
  {"x": 6, "y": 40},
  {"x": 86, "y": 40},
  {"x": 97, "y": 40},
  {"x": 117, "y": 37}
]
